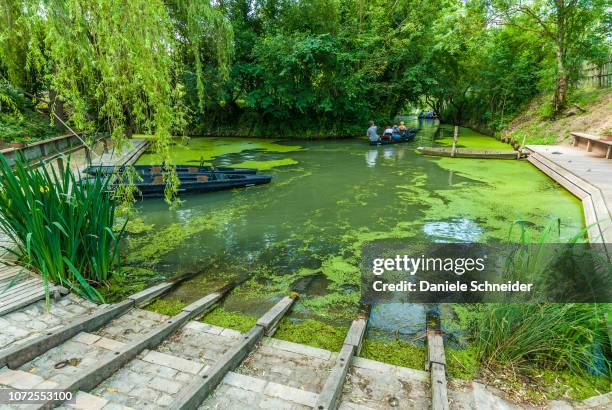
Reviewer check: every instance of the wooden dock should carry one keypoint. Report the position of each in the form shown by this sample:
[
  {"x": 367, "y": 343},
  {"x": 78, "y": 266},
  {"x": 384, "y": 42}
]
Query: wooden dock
[
  {"x": 126, "y": 155},
  {"x": 468, "y": 153},
  {"x": 587, "y": 176}
]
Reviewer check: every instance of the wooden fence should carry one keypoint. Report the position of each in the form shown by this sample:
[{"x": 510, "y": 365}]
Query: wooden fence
[{"x": 594, "y": 75}]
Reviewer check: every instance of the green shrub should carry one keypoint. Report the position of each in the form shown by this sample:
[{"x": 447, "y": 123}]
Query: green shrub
[
  {"x": 548, "y": 335},
  {"x": 63, "y": 228}
]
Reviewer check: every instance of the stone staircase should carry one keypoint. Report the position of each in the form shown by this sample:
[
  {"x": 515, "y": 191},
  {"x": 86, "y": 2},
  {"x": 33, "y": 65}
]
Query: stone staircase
[{"x": 121, "y": 356}]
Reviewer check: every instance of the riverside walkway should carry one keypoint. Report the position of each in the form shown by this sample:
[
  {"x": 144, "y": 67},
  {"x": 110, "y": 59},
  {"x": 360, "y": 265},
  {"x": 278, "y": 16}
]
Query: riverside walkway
[{"x": 587, "y": 176}]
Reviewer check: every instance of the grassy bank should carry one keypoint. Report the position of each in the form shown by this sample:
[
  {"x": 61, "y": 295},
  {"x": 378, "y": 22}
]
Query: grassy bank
[
  {"x": 535, "y": 352},
  {"x": 588, "y": 111}
]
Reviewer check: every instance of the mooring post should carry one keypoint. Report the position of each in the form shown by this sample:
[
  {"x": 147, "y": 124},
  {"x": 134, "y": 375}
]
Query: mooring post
[
  {"x": 520, "y": 150},
  {"x": 455, "y": 136},
  {"x": 88, "y": 155}
]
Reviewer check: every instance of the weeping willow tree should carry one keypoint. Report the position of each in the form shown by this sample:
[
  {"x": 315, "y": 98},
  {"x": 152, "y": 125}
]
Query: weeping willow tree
[{"x": 114, "y": 65}]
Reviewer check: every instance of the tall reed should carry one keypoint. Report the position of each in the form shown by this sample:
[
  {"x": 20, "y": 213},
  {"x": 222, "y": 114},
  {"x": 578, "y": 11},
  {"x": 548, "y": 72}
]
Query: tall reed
[
  {"x": 556, "y": 336},
  {"x": 547, "y": 335},
  {"x": 62, "y": 226}
]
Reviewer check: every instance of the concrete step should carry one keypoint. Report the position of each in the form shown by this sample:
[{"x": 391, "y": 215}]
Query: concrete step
[
  {"x": 277, "y": 374},
  {"x": 155, "y": 377},
  {"x": 240, "y": 391},
  {"x": 19, "y": 379},
  {"x": 36, "y": 319},
  {"x": 291, "y": 364}
]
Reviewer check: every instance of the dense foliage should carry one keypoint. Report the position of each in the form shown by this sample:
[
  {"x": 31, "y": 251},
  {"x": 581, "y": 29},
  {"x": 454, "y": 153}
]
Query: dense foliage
[
  {"x": 294, "y": 68},
  {"x": 316, "y": 67},
  {"x": 62, "y": 228}
]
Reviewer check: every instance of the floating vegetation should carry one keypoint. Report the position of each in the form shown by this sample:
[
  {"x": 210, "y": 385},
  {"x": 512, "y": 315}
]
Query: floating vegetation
[
  {"x": 207, "y": 149},
  {"x": 128, "y": 281},
  {"x": 266, "y": 165},
  {"x": 469, "y": 138}
]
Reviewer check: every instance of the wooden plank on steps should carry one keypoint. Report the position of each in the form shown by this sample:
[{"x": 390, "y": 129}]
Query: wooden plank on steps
[
  {"x": 25, "y": 301},
  {"x": 7, "y": 292},
  {"x": 23, "y": 294},
  {"x": 436, "y": 361}
]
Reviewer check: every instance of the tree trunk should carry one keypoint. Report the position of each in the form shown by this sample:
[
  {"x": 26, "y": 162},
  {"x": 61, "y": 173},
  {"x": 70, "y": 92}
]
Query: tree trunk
[
  {"x": 57, "y": 105},
  {"x": 562, "y": 80},
  {"x": 561, "y": 90}
]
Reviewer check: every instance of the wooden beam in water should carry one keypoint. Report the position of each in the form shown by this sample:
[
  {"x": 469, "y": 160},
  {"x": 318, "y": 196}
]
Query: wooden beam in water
[
  {"x": 328, "y": 398},
  {"x": 467, "y": 153}
]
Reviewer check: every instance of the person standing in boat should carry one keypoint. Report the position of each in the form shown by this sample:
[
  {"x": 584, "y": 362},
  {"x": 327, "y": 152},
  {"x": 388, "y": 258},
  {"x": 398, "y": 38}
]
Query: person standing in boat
[{"x": 373, "y": 132}]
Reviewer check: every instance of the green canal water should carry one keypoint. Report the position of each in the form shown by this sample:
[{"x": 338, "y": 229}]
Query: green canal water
[{"x": 328, "y": 203}]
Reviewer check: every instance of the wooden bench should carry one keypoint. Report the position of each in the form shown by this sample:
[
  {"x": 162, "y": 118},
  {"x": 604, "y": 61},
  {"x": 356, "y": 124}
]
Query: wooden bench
[{"x": 592, "y": 143}]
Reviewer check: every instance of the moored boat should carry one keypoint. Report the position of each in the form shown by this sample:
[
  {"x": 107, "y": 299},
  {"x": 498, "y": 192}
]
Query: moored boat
[
  {"x": 157, "y": 169},
  {"x": 154, "y": 186}
]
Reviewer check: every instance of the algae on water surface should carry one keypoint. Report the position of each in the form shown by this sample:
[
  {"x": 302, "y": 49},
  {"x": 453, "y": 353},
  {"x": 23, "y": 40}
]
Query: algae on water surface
[{"x": 310, "y": 227}]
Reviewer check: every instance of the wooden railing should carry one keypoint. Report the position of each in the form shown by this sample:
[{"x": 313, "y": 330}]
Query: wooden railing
[{"x": 47, "y": 149}]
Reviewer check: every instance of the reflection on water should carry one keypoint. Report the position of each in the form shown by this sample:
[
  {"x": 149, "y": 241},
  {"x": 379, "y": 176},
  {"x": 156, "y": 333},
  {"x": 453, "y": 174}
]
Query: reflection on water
[
  {"x": 456, "y": 230},
  {"x": 370, "y": 157},
  {"x": 318, "y": 214}
]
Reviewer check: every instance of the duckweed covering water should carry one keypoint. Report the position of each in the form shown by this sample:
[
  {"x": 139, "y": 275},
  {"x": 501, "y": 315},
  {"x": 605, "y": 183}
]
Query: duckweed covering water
[
  {"x": 196, "y": 149},
  {"x": 469, "y": 138},
  {"x": 313, "y": 333},
  {"x": 340, "y": 201}
]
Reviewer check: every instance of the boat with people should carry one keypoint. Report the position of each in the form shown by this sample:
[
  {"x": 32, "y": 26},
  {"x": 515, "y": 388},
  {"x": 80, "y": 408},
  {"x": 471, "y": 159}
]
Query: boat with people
[
  {"x": 158, "y": 169},
  {"x": 406, "y": 135},
  {"x": 428, "y": 115},
  {"x": 152, "y": 185}
]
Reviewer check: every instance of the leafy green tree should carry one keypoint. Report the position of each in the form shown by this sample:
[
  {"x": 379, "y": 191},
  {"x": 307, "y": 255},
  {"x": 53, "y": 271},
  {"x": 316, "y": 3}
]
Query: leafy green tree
[
  {"x": 113, "y": 65},
  {"x": 570, "y": 25}
]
